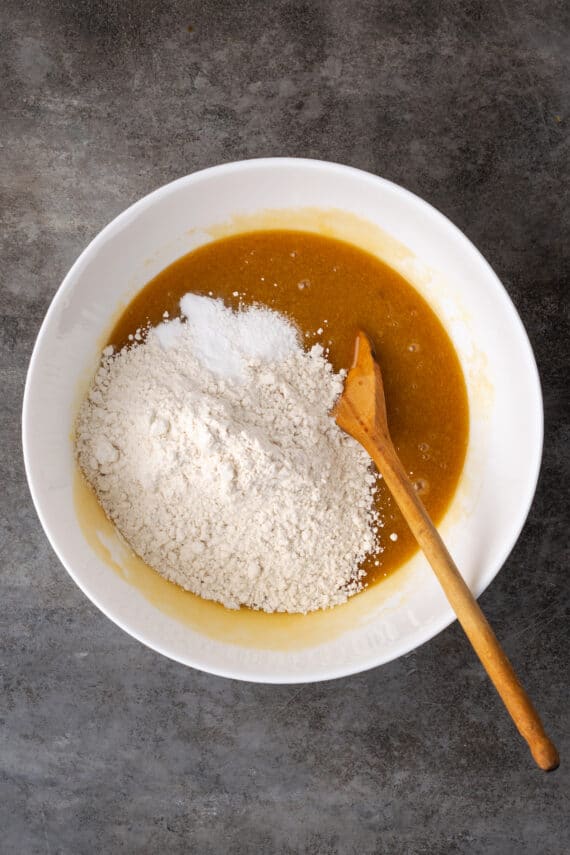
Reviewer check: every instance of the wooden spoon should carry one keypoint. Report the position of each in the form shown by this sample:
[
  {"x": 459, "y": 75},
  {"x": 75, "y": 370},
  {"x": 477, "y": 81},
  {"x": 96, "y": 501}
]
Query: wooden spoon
[{"x": 361, "y": 412}]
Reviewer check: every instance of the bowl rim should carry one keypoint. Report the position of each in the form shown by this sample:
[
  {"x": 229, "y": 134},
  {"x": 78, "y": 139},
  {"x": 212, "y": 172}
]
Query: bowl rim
[{"x": 447, "y": 616}]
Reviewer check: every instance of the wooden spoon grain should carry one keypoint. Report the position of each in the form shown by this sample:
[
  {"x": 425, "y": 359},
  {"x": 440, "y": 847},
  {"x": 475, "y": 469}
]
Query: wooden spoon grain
[{"x": 361, "y": 412}]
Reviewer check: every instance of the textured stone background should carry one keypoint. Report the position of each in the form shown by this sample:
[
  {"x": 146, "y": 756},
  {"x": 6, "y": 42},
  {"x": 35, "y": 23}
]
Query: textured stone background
[{"x": 106, "y": 746}]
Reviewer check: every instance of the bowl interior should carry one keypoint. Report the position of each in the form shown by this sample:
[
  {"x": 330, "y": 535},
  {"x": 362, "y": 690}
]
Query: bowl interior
[{"x": 495, "y": 490}]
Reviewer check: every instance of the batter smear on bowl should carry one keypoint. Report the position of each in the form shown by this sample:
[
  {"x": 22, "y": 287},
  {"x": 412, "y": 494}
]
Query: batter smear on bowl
[{"x": 207, "y": 433}]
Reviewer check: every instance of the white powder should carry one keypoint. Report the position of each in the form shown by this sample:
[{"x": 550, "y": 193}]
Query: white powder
[
  {"x": 211, "y": 447},
  {"x": 223, "y": 341}
]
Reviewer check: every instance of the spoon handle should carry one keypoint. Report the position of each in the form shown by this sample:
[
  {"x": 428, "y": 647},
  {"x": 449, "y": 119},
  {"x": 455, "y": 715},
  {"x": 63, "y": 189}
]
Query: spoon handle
[{"x": 464, "y": 604}]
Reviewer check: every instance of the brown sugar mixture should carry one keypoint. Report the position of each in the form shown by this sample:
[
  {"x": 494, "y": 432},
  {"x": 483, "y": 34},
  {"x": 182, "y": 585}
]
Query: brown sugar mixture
[{"x": 330, "y": 289}]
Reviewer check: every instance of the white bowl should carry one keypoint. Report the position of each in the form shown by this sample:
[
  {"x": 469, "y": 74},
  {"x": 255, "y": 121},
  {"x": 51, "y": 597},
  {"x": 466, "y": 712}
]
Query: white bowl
[{"x": 503, "y": 458}]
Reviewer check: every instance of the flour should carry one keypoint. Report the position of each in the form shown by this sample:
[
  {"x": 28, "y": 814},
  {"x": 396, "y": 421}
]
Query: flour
[{"x": 211, "y": 447}]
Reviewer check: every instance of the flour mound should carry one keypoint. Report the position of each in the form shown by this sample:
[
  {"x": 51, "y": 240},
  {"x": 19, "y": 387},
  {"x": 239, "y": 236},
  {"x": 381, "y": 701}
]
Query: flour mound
[{"x": 229, "y": 476}]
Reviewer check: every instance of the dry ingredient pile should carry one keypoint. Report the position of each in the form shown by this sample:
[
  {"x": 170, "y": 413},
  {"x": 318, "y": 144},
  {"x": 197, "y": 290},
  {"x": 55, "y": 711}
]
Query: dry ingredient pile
[{"x": 210, "y": 444}]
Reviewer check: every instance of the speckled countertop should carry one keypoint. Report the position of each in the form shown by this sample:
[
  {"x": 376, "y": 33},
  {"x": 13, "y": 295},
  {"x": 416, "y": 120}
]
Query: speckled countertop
[{"x": 106, "y": 746}]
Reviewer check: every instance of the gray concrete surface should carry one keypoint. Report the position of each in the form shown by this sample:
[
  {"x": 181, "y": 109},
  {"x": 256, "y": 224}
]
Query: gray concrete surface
[{"x": 106, "y": 746}]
